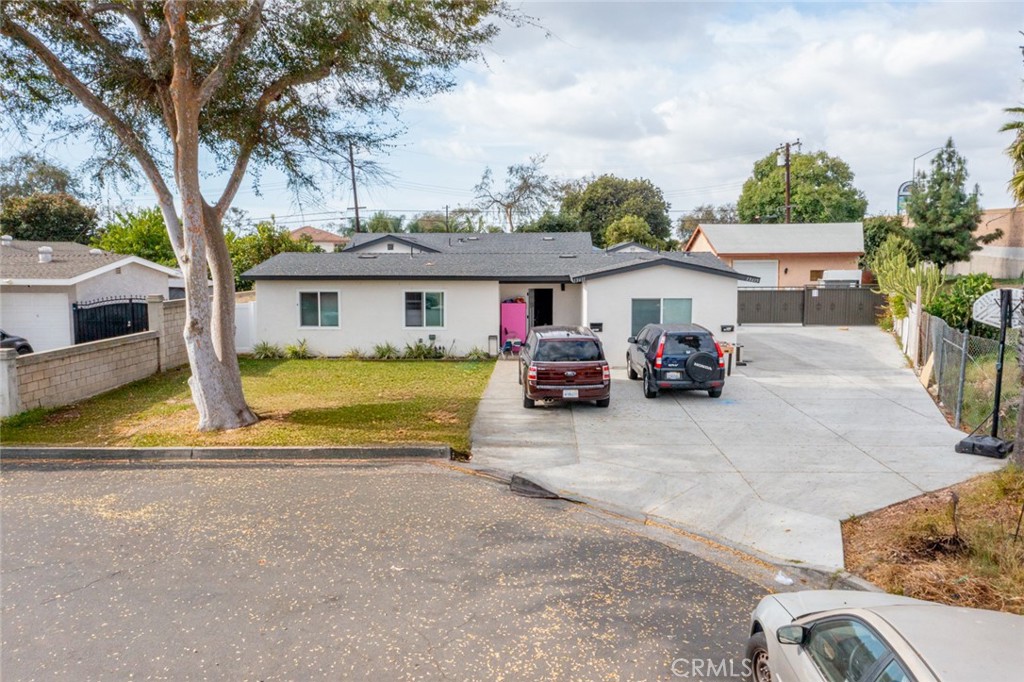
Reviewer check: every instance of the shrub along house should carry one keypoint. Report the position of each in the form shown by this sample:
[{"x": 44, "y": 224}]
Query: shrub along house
[{"x": 465, "y": 291}]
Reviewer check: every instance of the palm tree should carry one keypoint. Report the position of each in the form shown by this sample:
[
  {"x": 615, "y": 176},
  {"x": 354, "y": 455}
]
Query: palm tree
[{"x": 1016, "y": 153}]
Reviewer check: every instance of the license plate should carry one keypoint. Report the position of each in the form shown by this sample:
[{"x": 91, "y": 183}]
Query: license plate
[
  {"x": 672, "y": 376},
  {"x": 570, "y": 393}
]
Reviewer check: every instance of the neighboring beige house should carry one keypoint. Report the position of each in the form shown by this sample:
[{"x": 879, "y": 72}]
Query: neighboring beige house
[
  {"x": 462, "y": 291},
  {"x": 1003, "y": 258},
  {"x": 328, "y": 241},
  {"x": 784, "y": 255},
  {"x": 39, "y": 282}
]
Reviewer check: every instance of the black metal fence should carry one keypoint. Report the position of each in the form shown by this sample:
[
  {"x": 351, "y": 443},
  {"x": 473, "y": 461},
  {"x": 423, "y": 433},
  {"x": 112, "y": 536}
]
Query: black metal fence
[
  {"x": 839, "y": 306},
  {"x": 106, "y": 318}
]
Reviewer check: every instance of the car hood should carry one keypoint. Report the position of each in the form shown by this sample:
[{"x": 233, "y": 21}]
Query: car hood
[{"x": 799, "y": 604}]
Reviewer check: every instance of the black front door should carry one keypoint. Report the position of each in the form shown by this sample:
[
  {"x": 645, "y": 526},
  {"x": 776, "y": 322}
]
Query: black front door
[{"x": 543, "y": 308}]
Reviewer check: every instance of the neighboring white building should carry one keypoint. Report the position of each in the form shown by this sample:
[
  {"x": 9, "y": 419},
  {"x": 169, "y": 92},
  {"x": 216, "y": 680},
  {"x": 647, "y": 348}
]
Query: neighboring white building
[
  {"x": 39, "y": 282},
  {"x": 463, "y": 291}
]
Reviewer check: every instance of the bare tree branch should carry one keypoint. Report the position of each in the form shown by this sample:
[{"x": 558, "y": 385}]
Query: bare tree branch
[
  {"x": 63, "y": 75},
  {"x": 270, "y": 95},
  {"x": 243, "y": 38}
]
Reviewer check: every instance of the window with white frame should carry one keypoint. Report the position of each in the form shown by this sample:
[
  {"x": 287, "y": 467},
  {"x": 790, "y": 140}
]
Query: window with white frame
[
  {"x": 661, "y": 311},
  {"x": 424, "y": 309},
  {"x": 319, "y": 309}
]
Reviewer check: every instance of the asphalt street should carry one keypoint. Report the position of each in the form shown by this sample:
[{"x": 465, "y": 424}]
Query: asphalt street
[{"x": 306, "y": 571}]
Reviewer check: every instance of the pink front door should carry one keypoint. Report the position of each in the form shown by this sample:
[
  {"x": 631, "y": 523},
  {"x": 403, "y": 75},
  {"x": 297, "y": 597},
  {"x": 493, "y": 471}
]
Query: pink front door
[{"x": 513, "y": 321}]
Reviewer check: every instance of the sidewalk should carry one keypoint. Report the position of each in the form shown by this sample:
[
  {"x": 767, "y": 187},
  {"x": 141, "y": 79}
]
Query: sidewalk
[{"x": 822, "y": 424}]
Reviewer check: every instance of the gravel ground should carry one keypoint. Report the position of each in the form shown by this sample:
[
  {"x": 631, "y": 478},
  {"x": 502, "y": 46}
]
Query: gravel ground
[{"x": 307, "y": 571}]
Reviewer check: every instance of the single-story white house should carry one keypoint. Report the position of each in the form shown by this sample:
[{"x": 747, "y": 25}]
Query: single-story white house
[
  {"x": 40, "y": 281},
  {"x": 465, "y": 291}
]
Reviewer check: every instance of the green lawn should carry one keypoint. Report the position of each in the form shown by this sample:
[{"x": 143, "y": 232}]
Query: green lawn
[{"x": 300, "y": 402}]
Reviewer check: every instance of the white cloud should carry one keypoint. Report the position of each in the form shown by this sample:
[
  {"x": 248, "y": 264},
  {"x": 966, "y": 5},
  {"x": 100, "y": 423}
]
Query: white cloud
[{"x": 691, "y": 95}]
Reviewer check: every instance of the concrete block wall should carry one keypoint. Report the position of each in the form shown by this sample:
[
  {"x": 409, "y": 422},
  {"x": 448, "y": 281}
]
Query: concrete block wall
[
  {"x": 62, "y": 376},
  {"x": 172, "y": 343},
  {"x": 66, "y": 375}
]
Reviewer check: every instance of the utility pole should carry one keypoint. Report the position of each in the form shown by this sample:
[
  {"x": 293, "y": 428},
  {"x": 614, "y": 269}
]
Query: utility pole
[
  {"x": 785, "y": 147},
  {"x": 447, "y": 227},
  {"x": 352, "y": 172}
]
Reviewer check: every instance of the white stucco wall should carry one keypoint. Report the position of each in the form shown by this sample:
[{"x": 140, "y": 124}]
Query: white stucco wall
[
  {"x": 373, "y": 311},
  {"x": 567, "y": 308},
  {"x": 381, "y": 246},
  {"x": 608, "y": 300},
  {"x": 132, "y": 280},
  {"x": 42, "y": 315}
]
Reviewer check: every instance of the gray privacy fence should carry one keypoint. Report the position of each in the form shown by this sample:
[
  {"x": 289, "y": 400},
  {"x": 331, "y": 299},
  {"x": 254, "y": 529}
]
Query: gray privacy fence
[{"x": 964, "y": 369}]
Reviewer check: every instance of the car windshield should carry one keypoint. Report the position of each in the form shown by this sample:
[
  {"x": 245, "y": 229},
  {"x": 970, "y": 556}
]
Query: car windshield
[{"x": 567, "y": 350}]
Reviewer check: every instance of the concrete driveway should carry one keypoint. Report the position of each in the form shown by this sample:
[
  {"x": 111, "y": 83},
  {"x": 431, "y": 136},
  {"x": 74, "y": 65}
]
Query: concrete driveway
[{"x": 822, "y": 423}]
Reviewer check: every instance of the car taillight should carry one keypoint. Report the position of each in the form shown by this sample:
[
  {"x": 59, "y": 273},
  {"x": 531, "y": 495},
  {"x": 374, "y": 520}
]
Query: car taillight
[
  {"x": 721, "y": 357},
  {"x": 531, "y": 373},
  {"x": 660, "y": 353},
  {"x": 606, "y": 373}
]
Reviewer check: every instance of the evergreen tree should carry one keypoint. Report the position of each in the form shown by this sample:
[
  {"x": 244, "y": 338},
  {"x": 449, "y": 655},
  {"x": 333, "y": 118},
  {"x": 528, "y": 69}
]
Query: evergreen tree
[{"x": 945, "y": 216}]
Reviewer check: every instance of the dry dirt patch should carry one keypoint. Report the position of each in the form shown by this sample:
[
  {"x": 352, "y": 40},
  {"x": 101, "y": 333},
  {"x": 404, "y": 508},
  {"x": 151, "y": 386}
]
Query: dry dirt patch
[{"x": 961, "y": 545}]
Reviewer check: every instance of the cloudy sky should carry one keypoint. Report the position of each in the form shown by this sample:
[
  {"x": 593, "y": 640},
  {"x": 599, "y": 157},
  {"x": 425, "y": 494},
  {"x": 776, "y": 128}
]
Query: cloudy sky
[{"x": 690, "y": 94}]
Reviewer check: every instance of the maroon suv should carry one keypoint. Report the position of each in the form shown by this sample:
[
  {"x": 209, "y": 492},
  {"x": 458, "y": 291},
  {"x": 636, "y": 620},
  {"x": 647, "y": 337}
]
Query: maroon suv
[{"x": 564, "y": 363}]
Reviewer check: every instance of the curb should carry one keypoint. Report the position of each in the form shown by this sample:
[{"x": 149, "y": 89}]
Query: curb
[
  {"x": 8, "y": 454},
  {"x": 821, "y": 577}
]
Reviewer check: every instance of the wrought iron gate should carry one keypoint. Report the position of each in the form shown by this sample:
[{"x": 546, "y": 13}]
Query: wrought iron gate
[{"x": 106, "y": 318}]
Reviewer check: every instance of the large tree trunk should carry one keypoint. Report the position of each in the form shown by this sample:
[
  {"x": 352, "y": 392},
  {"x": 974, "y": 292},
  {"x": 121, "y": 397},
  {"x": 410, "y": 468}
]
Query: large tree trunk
[{"x": 216, "y": 381}]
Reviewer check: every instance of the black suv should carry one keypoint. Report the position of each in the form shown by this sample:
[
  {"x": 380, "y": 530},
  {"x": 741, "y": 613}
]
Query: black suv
[
  {"x": 564, "y": 363},
  {"x": 676, "y": 356}
]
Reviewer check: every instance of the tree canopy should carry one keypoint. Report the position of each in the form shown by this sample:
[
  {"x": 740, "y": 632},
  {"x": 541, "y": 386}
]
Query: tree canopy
[
  {"x": 707, "y": 214},
  {"x": 526, "y": 193},
  {"x": 139, "y": 233},
  {"x": 944, "y": 214},
  {"x": 876, "y": 230},
  {"x": 603, "y": 200},
  {"x": 251, "y": 84},
  {"x": 631, "y": 228},
  {"x": 24, "y": 174},
  {"x": 48, "y": 217},
  {"x": 821, "y": 191},
  {"x": 1016, "y": 153},
  {"x": 264, "y": 241}
]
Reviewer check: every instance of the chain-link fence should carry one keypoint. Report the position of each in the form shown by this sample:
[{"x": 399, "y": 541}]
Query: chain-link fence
[{"x": 964, "y": 368}]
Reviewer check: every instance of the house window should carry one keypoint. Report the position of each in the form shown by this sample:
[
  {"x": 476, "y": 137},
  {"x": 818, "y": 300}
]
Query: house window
[
  {"x": 318, "y": 309},
  {"x": 817, "y": 274},
  {"x": 661, "y": 311},
  {"x": 391, "y": 247},
  {"x": 424, "y": 309}
]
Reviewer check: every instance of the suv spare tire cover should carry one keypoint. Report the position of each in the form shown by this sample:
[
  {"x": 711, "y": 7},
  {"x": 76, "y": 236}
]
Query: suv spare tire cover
[{"x": 701, "y": 366}]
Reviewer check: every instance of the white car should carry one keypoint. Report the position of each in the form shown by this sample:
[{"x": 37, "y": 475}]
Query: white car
[{"x": 841, "y": 636}]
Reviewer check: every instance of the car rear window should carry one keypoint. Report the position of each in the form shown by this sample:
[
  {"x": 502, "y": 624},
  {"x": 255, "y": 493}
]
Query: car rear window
[
  {"x": 680, "y": 343},
  {"x": 567, "y": 350}
]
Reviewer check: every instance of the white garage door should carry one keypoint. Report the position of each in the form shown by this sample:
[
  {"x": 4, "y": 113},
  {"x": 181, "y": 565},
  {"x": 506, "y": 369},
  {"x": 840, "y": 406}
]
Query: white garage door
[
  {"x": 767, "y": 270},
  {"x": 43, "y": 319}
]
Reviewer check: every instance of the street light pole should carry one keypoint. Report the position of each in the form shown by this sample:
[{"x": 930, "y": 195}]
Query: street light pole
[{"x": 913, "y": 166}]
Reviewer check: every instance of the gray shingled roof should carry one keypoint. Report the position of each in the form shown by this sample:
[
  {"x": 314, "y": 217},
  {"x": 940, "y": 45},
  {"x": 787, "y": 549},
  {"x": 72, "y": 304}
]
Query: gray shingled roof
[
  {"x": 19, "y": 260},
  {"x": 507, "y": 267},
  {"x": 786, "y": 238},
  {"x": 485, "y": 242}
]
